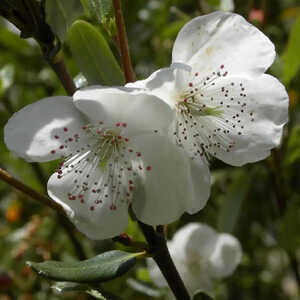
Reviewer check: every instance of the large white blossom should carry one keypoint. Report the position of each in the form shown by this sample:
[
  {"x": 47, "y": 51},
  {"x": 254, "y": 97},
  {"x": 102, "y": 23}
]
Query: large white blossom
[
  {"x": 201, "y": 256},
  {"x": 224, "y": 105},
  {"x": 113, "y": 153}
]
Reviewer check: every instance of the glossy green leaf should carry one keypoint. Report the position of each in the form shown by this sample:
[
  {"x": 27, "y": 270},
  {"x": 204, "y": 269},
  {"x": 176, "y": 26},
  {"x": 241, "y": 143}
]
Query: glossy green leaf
[
  {"x": 99, "y": 9},
  {"x": 232, "y": 202},
  {"x": 291, "y": 57},
  {"x": 201, "y": 295},
  {"x": 93, "y": 55},
  {"x": 61, "y": 14},
  {"x": 103, "y": 267}
]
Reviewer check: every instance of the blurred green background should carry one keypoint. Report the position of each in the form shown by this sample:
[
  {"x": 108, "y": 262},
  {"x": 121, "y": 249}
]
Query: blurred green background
[{"x": 244, "y": 201}]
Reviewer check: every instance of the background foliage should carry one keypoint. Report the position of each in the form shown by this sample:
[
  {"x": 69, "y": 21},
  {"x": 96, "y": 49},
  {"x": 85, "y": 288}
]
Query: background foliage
[{"x": 258, "y": 203}]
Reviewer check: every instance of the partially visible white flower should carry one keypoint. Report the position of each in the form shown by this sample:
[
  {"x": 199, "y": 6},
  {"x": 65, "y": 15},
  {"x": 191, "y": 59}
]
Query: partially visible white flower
[
  {"x": 224, "y": 105},
  {"x": 227, "y": 5},
  {"x": 113, "y": 153},
  {"x": 201, "y": 256}
]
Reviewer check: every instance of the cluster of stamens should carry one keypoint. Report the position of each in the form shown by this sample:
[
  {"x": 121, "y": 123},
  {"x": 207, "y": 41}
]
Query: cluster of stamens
[
  {"x": 211, "y": 112},
  {"x": 102, "y": 163}
]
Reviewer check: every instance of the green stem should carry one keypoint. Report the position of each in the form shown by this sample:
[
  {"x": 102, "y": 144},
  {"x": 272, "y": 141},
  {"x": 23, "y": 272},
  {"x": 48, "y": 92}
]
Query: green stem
[{"x": 161, "y": 255}]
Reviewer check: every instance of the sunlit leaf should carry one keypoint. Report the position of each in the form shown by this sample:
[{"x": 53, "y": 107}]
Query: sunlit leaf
[{"x": 93, "y": 55}]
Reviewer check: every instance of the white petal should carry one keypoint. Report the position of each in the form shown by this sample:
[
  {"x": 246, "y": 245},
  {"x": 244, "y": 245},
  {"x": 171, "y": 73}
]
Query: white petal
[
  {"x": 225, "y": 257},
  {"x": 38, "y": 131},
  {"x": 95, "y": 219},
  {"x": 200, "y": 185},
  {"x": 194, "y": 242},
  {"x": 165, "y": 83},
  {"x": 167, "y": 191},
  {"x": 193, "y": 275},
  {"x": 220, "y": 38},
  {"x": 140, "y": 112},
  {"x": 263, "y": 118}
]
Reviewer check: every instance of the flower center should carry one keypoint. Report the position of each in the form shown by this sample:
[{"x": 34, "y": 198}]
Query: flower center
[
  {"x": 210, "y": 111},
  {"x": 102, "y": 165}
]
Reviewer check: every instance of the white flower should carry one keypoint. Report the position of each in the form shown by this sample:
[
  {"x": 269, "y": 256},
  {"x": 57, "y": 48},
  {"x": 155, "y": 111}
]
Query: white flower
[
  {"x": 113, "y": 155},
  {"x": 201, "y": 256},
  {"x": 224, "y": 104}
]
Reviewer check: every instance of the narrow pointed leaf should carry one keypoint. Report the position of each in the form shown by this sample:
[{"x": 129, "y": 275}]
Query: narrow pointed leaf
[
  {"x": 103, "y": 267},
  {"x": 61, "y": 14},
  {"x": 93, "y": 55}
]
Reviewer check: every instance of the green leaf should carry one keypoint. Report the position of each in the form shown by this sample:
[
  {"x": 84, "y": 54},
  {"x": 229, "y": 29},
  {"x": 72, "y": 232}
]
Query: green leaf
[
  {"x": 232, "y": 201},
  {"x": 291, "y": 57},
  {"x": 99, "y": 9},
  {"x": 93, "y": 55},
  {"x": 103, "y": 267},
  {"x": 60, "y": 15},
  {"x": 201, "y": 295}
]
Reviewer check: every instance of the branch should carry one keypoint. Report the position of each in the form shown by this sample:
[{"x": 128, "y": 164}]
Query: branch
[
  {"x": 123, "y": 42},
  {"x": 5, "y": 176},
  {"x": 160, "y": 253},
  {"x": 60, "y": 69}
]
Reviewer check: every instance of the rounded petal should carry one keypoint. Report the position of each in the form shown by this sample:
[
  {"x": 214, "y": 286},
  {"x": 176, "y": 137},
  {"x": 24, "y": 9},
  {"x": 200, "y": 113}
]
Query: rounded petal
[
  {"x": 194, "y": 278},
  {"x": 194, "y": 242},
  {"x": 223, "y": 39},
  {"x": 139, "y": 111},
  {"x": 225, "y": 257},
  {"x": 263, "y": 117},
  {"x": 92, "y": 216},
  {"x": 166, "y": 83},
  {"x": 167, "y": 190},
  {"x": 41, "y": 131},
  {"x": 200, "y": 185},
  {"x": 193, "y": 274}
]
